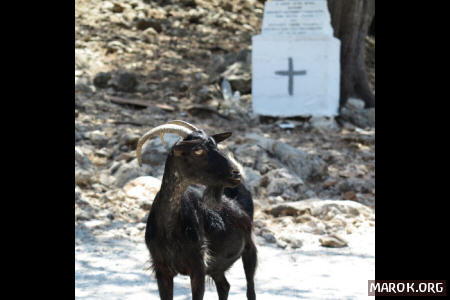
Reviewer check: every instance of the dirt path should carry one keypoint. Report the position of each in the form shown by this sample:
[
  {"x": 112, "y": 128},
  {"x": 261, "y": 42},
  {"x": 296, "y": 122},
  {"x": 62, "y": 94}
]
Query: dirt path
[{"x": 112, "y": 267}]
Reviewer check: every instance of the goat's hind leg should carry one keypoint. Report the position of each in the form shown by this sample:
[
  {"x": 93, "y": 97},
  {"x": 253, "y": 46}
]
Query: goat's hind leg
[
  {"x": 249, "y": 259},
  {"x": 222, "y": 286},
  {"x": 165, "y": 286},
  {"x": 198, "y": 285}
]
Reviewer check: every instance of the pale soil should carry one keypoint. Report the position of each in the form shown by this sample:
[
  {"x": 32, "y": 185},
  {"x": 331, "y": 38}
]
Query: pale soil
[{"x": 112, "y": 267}]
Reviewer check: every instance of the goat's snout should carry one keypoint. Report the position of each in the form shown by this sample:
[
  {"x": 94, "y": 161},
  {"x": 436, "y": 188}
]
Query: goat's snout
[
  {"x": 235, "y": 177},
  {"x": 235, "y": 173}
]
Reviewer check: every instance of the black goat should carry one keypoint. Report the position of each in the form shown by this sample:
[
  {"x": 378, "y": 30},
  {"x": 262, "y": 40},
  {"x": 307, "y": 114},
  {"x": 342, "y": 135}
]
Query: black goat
[{"x": 198, "y": 234}]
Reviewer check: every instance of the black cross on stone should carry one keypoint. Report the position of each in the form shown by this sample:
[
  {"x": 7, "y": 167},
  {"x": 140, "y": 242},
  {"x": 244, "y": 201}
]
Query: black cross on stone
[{"x": 291, "y": 73}]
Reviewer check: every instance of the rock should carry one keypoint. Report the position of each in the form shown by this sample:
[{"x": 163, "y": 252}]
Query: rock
[
  {"x": 291, "y": 239},
  {"x": 86, "y": 59},
  {"x": 355, "y": 113},
  {"x": 114, "y": 167},
  {"x": 143, "y": 189},
  {"x": 97, "y": 137},
  {"x": 96, "y": 223},
  {"x": 333, "y": 241},
  {"x": 200, "y": 76},
  {"x": 305, "y": 218},
  {"x": 83, "y": 84},
  {"x": 101, "y": 79},
  {"x": 253, "y": 180},
  {"x": 307, "y": 166},
  {"x": 219, "y": 64},
  {"x": 107, "y": 6},
  {"x": 104, "y": 152},
  {"x": 150, "y": 31},
  {"x": 154, "y": 154},
  {"x": 83, "y": 169},
  {"x": 255, "y": 157},
  {"x": 288, "y": 209},
  {"x": 110, "y": 216},
  {"x": 314, "y": 227},
  {"x": 130, "y": 138},
  {"x": 356, "y": 185},
  {"x": 142, "y": 88},
  {"x": 281, "y": 244},
  {"x": 205, "y": 93},
  {"x": 245, "y": 56},
  {"x": 120, "y": 20},
  {"x": 116, "y": 46},
  {"x": 129, "y": 171},
  {"x": 105, "y": 179},
  {"x": 337, "y": 223},
  {"x": 143, "y": 24},
  {"x": 83, "y": 215},
  {"x": 78, "y": 136},
  {"x": 81, "y": 159},
  {"x": 117, "y": 8},
  {"x": 268, "y": 236},
  {"x": 296, "y": 243},
  {"x": 370, "y": 115},
  {"x": 84, "y": 210},
  {"x": 309, "y": 194},
  {"x": 189, "y": 3},
  {"x": 330, "y": 182},
  {"x": 144, "y": 218},
  {"x": 330, "y": 208},
  {"x": 239, "y": 76},
  {"x": 321, "y": 209},
  {"x": 83, "y": 202},
  {"x": 283, "y": 183},
  {"x": 126, "y": 82},
  {"x": 275, "y": 200},
  {"x": 183, "y": 87},
  {"x": 83, "y": 177},
  {"x": 323, "y": 123},
  {"x": 354, "y": 104},
  {"x": 98, "y": 188},
  {"x": 77, "y": 193},
  {"x": 350, "y": 195},
  {"x": 248, "y": 154}
]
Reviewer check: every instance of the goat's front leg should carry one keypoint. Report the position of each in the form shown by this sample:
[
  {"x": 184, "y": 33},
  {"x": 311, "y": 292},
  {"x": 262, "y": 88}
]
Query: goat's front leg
[
  {"x": 198, "y": 284},
  {"x": 249, "y": 259},
  {"x": 165, "y": 286}
]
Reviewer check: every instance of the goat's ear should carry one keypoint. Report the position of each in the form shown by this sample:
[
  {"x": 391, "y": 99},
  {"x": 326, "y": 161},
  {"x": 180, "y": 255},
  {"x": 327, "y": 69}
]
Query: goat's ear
[{"x": 221, "y": 136}]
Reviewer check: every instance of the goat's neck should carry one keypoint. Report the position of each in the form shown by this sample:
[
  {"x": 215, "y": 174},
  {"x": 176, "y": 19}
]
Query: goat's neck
[
  {"x": 172, "y": 189},
  {"x": 212, "y": 196}
]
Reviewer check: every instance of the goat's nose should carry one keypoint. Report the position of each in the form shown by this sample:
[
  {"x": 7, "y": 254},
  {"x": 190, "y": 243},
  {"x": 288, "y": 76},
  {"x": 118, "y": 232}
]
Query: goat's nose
[{"x": 235, "y": 174}]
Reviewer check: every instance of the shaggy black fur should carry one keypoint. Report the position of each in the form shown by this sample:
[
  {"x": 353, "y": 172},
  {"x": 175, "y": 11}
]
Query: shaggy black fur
[{"x": 198, "y": 234}]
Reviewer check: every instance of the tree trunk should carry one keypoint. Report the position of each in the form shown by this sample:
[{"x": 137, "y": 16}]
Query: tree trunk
[
  {"x": 351, "y": 20},
  {"x": 372, "y": 27}
]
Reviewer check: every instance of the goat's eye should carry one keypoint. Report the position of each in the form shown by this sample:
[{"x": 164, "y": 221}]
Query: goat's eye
[{"x": 198, "y": 152}]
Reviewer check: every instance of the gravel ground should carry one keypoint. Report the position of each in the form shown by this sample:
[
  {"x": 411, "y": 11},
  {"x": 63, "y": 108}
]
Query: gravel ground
[{"x": 109, "y": 266}]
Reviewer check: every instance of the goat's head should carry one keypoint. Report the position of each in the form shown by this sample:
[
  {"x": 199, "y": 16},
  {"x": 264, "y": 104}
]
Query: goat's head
[{"x": 196, "y": 157}]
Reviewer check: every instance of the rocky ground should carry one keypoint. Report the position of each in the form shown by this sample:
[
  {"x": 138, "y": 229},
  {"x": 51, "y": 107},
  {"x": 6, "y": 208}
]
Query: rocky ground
[{"x": 141, "y": 63}]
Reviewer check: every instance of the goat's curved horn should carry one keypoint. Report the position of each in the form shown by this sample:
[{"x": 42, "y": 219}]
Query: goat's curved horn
[
  {"x": 184, "y": 124},
  {"x": 160, "y": 130}
]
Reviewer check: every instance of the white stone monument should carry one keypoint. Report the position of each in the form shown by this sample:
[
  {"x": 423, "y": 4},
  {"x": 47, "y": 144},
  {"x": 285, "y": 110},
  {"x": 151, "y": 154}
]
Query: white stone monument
[{"x": 295, "y": 61}]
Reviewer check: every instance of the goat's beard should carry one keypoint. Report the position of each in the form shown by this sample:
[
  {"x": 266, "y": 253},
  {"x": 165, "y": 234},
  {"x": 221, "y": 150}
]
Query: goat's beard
[{"x": 212, "y": 197}]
